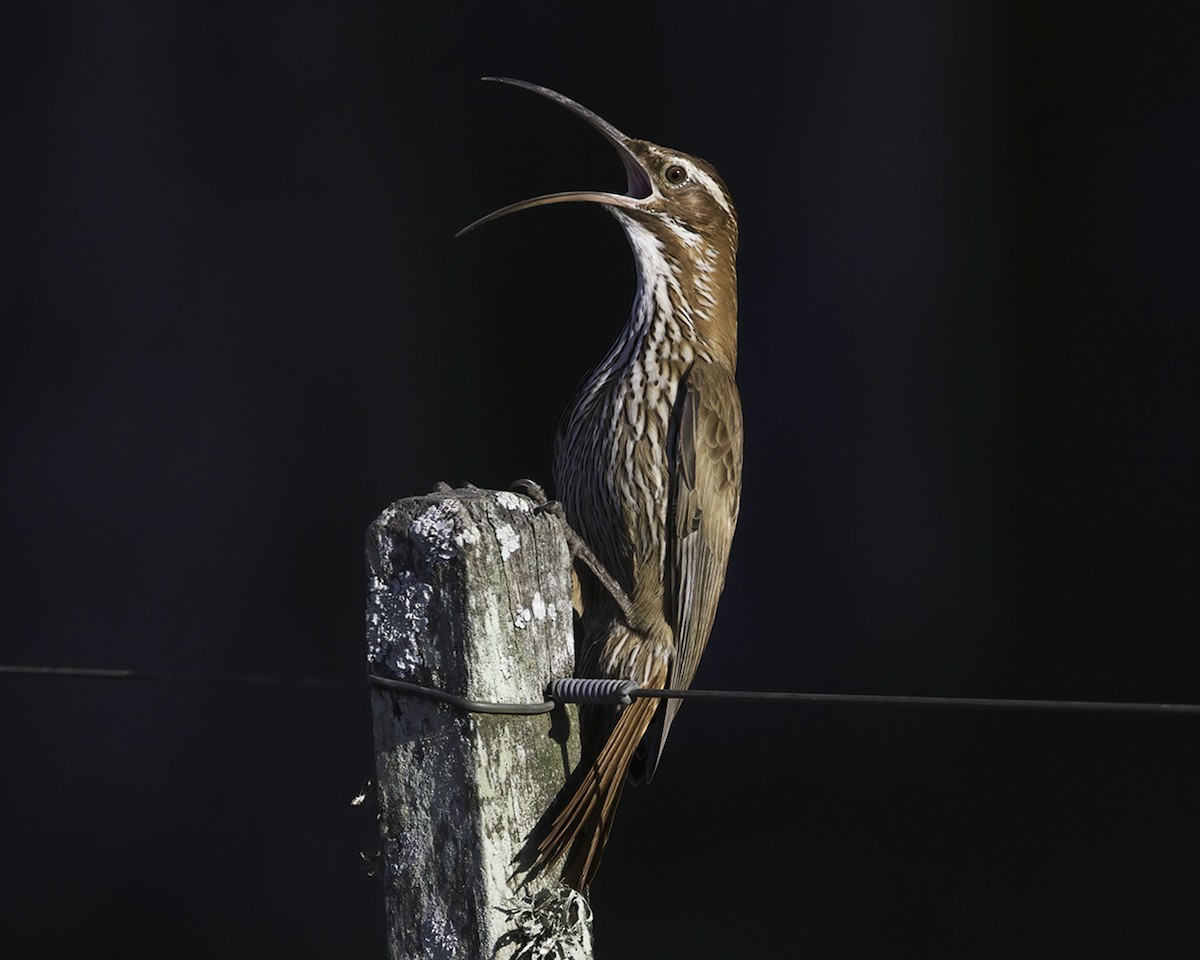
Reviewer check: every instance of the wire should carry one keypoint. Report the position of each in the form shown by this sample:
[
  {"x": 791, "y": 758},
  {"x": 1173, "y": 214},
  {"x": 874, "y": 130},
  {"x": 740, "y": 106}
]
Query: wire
[
  {"x": 1095, "y": 706},
  {"x": 472, "y": 706},
  {"x": 616, "y": 692},
  {"x": 99, "y": 673}
]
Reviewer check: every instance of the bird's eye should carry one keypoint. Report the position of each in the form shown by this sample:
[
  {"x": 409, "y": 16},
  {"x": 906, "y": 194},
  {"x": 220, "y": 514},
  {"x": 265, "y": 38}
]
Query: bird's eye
[{"x": 675, "y": 173}]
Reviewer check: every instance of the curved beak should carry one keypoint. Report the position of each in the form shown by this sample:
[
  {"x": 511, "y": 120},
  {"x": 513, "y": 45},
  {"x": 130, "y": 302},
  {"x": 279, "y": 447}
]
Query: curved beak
[{"x": 639, "y": 185}]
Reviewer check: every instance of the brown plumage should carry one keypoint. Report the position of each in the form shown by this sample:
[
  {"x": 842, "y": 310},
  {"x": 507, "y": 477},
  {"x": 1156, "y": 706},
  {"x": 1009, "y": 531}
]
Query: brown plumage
[{"x": 648, "y": 462}]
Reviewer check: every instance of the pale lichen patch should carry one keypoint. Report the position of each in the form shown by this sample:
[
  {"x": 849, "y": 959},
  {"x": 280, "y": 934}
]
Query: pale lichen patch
[
  {"x": 513, "y": 501},
  {"x": 509, "y": 540},
  {"x": 466, "y": 537},
  {"x": 399, "y": 616},
  {"x": 435, "y": 530}
]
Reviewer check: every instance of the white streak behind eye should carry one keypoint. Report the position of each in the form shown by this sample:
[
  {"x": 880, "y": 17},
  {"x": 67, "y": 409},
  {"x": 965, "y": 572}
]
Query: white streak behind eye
[{"x": 710, "y": 185}]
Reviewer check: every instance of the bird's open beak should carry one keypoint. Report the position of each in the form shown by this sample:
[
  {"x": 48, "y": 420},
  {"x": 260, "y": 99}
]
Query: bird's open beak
[{"x": 639, "y": 189}]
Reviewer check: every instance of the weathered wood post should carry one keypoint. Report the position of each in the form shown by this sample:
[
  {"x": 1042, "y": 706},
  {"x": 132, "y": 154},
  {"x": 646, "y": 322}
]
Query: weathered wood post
[{"x": 470, "y": 594}]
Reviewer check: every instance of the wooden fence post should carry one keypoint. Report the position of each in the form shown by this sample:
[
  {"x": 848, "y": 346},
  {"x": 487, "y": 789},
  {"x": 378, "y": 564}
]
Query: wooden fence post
[{"x": 470, "y": 593}]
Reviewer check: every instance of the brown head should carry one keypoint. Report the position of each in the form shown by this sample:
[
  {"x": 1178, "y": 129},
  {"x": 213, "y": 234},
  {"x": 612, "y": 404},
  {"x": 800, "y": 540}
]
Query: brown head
[{"x": 678, "y": 217}]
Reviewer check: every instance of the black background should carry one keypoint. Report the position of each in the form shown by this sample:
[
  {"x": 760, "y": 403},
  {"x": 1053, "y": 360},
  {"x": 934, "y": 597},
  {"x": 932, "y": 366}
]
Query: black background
[{"x": 237, "y": 325}]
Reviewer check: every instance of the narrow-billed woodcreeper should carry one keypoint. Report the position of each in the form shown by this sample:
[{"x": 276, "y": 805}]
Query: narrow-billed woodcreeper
[{"x": 648, "y": 466}]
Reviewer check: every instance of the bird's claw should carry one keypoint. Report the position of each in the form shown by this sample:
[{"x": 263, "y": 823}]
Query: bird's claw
[
  {"x": 443, "y": 487},
  {"x": 531, "y": 488},
  {"x": 534, "y": 491}
]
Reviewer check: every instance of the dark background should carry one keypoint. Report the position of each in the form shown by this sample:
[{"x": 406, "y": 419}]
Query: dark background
[{"x": 237, "y": 325}]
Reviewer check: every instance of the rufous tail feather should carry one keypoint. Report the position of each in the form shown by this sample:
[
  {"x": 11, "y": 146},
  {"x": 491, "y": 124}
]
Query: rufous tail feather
[{"x": 581, "y": 829}]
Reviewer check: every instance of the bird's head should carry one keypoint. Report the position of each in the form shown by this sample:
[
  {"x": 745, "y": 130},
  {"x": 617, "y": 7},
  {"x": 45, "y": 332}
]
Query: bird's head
[
  {"x": 678, "y": 197},
  {"x": 682, "y": 226}
]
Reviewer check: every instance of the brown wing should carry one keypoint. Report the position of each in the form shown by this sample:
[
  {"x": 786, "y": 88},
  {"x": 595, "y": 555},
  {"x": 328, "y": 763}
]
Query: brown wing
[{"x": 706, "y": 488}]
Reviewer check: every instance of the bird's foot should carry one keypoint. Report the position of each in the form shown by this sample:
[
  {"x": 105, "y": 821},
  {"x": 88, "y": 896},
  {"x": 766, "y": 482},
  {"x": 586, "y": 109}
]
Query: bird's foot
[
  {"x": 575, "y": 543},
  {"x": 532, "y": 489}
]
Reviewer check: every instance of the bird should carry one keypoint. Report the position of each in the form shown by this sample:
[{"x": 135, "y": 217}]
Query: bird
[{"x": 648, "y": 471}]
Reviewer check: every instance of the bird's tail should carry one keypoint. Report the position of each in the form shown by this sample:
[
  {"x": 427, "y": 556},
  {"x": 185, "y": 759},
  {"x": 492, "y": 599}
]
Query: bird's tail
[{"x": 581, "y": 829}]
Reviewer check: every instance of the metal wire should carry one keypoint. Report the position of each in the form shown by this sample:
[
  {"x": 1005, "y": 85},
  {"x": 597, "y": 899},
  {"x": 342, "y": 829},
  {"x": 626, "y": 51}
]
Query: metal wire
[
  {"x": 1094, "y": 706},
  {"x": 617, "y": 692},
  {"x": 591, "y": 690},
  {"x": 471, "y": 706},
  {"x": 100, "y": 673}
]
